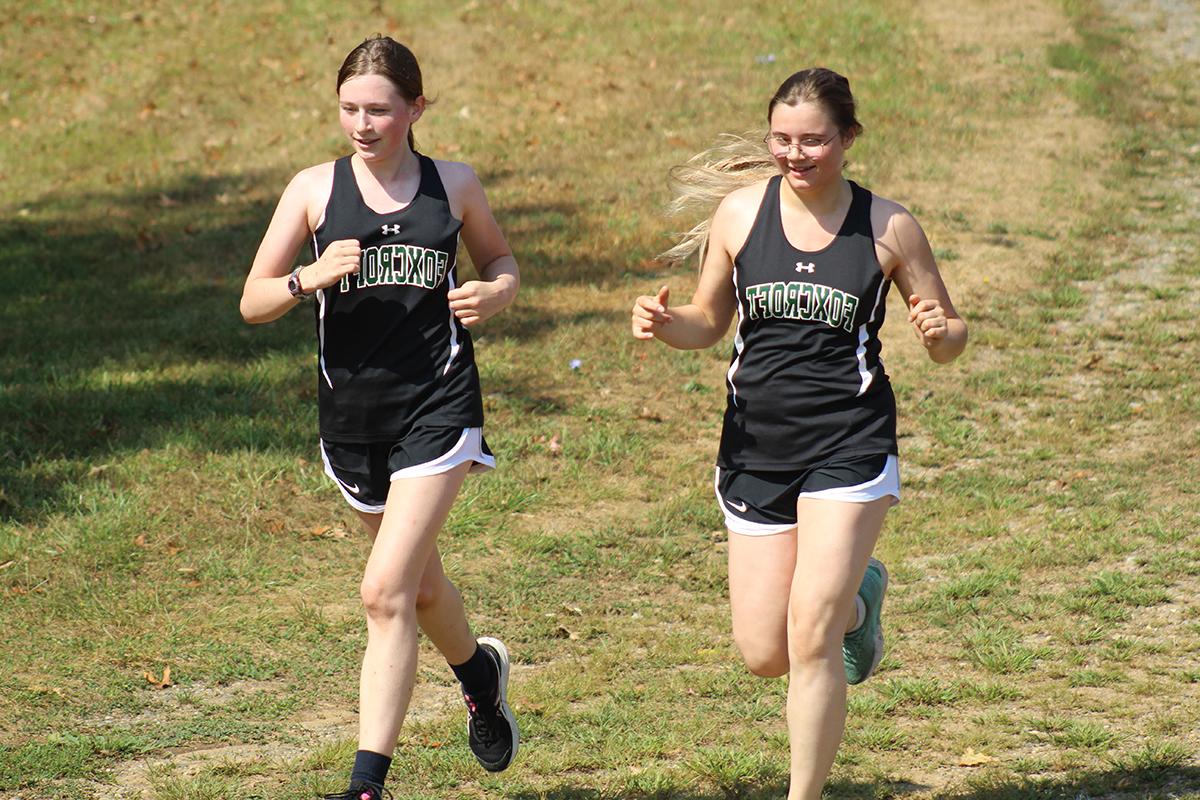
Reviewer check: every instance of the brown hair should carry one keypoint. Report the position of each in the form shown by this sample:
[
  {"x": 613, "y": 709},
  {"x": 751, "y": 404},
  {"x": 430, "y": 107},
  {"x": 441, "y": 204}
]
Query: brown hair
[
  {"x": 824, "y": 87},
  {"x": 736, "y": 161},
  {"x": 383, "y": 55}
]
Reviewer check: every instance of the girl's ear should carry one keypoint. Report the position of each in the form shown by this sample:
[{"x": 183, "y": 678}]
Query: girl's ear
[{"x": 415, "y": 109}]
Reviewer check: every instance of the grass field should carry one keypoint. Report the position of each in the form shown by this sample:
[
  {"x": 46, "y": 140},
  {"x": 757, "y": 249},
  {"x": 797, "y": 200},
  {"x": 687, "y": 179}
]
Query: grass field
[{"x": 162, "y": 505}]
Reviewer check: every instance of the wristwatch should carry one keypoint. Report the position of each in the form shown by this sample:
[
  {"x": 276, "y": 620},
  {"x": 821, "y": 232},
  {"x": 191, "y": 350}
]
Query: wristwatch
[{"x": 294, "y": 285}]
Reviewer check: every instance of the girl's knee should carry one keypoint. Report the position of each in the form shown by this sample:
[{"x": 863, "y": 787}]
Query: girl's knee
[
  {"x": 765, "y": 659},
  {"x": 814, "y": 635},
  {"x": 384, "y": 601}
]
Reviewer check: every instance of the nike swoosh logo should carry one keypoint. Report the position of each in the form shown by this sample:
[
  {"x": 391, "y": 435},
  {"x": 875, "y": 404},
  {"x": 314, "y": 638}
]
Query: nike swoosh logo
[
  {"x": 350, "y": 487},
  {"x": 736, "y": 506}
]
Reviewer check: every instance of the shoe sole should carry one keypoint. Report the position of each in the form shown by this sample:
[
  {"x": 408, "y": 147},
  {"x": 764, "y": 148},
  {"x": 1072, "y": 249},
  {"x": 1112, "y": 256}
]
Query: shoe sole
[
  {"x": 502, "y": 657},
  {"x": 879, "y": 631}
]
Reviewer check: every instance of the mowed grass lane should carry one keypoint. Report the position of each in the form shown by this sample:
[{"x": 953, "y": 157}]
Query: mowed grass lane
[{"x": 163, "y": 506}]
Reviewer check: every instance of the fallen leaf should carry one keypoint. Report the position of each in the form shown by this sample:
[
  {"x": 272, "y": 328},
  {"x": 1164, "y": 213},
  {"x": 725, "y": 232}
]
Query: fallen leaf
[
  {"x": 166, "y": 202},
  {"x": 140, "y": 540},
  {"x": 147, "y": 111},
  {"x": 972, "y": 759},
  {"x": 562, "y": 633},
  {"x": 7, "y": 564},
  {"x": 554, "y": 445},
  {"x": 162, "y": 682},
  {"x": 328, "y": 532}
]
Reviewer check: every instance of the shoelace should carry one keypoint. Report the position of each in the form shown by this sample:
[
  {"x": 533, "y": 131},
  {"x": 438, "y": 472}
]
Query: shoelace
[
  {"x": 479, "y": 718},
  {"x": 359, "y": 794}
]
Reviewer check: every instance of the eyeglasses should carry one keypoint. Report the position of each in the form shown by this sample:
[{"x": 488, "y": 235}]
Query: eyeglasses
[{"x": 811, "y": 146}]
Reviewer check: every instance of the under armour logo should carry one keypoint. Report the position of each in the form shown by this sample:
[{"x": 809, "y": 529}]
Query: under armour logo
[
  {"x": 391, "y": 229},
  {"x": 802, "y": 267}
]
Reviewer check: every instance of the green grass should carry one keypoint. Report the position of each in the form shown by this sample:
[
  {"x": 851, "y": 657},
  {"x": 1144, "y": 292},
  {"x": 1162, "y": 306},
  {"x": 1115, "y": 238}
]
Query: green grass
[{"x": 162, "y": 503}]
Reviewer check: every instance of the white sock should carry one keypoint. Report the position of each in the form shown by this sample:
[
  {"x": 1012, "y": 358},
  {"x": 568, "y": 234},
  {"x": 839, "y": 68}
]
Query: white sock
[{"x": 860, "y": 614}]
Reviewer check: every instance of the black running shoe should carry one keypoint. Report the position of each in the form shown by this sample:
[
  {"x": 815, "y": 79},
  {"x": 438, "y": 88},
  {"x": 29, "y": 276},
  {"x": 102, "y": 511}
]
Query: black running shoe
[
  {"x": 360, "y": 791},
  {"x": 491, "y": 728}
]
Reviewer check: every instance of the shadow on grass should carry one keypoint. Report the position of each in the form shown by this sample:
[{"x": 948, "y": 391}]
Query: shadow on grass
[
  {"x": 121, "y": 331},
  {"x": 1125, "y": 784}
]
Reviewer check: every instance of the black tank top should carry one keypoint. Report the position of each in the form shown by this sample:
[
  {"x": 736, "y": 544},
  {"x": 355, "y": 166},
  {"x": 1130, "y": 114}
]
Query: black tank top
[
  {"x": 390, "y": 352},
  {"x": 806, "y": 385}
]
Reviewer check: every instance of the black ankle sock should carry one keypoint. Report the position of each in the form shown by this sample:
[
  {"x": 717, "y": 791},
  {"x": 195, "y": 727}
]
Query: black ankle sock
[
  {"x": 370, "y": 768},
  {"x": 478, "y": 675}
]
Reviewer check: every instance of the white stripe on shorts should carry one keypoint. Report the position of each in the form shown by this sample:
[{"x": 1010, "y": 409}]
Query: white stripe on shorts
[
  {"x": 887, "y": 483},
  {"x": 469, "y": 448}
]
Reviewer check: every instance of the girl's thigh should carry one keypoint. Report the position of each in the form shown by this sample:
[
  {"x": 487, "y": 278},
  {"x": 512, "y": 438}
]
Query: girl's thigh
[
  {"x": 760, "y": 579},
  {"x": 834, "y": 540}
]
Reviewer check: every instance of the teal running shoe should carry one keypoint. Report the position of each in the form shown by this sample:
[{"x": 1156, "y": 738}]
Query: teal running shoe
[{"x": 862, "y": 650}]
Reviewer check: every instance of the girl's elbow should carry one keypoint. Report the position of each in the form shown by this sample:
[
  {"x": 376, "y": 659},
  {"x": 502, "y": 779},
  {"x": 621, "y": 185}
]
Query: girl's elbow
[{"x": 248, "y": 313}]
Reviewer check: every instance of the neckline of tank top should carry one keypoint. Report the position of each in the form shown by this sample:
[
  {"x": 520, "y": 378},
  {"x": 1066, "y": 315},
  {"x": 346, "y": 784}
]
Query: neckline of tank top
[
  {"x": 363, "y": 201},
  {"x": 854, "y": 199}
]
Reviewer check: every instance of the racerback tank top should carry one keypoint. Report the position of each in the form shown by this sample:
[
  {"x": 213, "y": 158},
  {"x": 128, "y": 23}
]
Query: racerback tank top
[
  {"x": 390, "y": 351},
  {"x": 806, "y": 384}
]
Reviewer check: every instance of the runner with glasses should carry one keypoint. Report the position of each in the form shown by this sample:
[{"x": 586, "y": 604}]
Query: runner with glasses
[
  {"x": 401, "y": 412},
  {"x": 807, "y": 466}
]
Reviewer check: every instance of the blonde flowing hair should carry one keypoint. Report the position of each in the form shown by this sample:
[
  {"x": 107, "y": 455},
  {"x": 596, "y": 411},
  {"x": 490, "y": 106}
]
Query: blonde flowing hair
[{"x": 700, "y": 184}]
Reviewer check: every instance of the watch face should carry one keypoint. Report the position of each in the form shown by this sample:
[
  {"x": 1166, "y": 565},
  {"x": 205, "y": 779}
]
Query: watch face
[{"x": 294, "y": 285}]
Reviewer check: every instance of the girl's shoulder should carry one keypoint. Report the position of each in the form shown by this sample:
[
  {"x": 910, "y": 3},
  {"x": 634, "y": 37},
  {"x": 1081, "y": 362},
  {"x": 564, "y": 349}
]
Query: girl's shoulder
[
  {"x": 884, "y": 206},
  {"x": 745, "y": 200},
  {"x": 310, "y": 189},
  {"x": 318, "y": 177},
  {"x": 890, "y": 220},
  {"x": 462, "y": 185},
  {"x": 456, "y": 176},
  {"x": 734, "y": 218}
]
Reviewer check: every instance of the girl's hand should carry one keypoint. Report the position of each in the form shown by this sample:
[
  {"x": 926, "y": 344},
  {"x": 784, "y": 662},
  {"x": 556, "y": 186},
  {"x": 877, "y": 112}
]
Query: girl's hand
[
  {"x": 340, "y": 258},
  {"x": 650, "y": 314},
  {"x": 929, "y": 319},
  {"x": 477, "y": 301}
]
